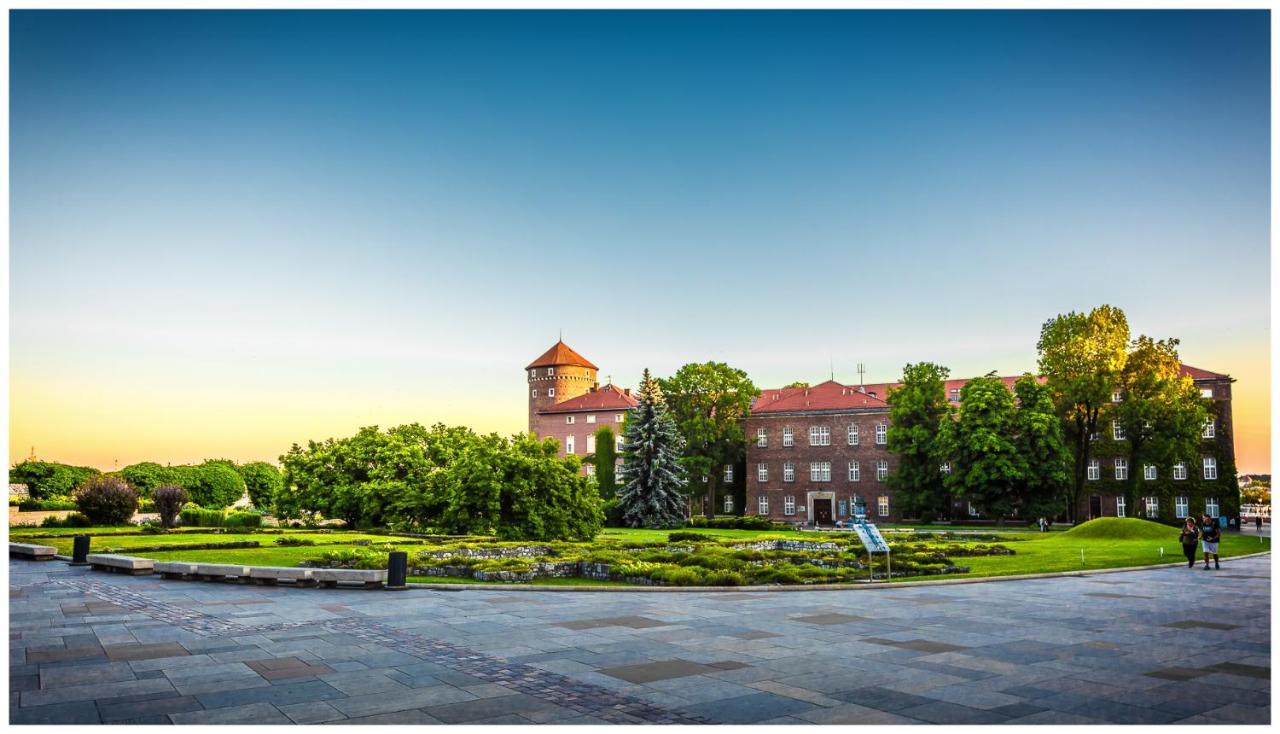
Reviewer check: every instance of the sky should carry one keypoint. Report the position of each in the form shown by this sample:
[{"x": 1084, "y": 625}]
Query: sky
[{"x": 235, "y": 231}]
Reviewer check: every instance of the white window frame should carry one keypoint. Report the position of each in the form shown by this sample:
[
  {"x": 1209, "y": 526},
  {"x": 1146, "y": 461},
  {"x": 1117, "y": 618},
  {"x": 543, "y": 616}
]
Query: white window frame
[
  {"x": 882, "y": 505},
  {"x": 1094, "y": 470},
  {"x": 762, "y": 472},
  {"x": 591, "y": 419},
  {"x": 570, "y": 419},
  {"x": 728, "y": 473},
  {"x": 551, "y": 371},
  {"x": 1149, "y": 472},
  {"x": 1206, "y": 392},
  {"x": 762, "y": 438},
  {"x": 591, "y": 469},
  {"x": 882, "y": 434},
  {"x": 788, "y": 438},
  {"x": 551, "y": 392},
  {"x": 1117, "y": 431},
  {"x": 1120, "y": 506},
  {"x": 1181, "y": 505},
  {"x": 855, "y": 471},
  {"x": 1210, "y": 429},
  {"x": 1179, "y": 471},
  {"x": 533, "y": 393},
  {"x": 1152, "y": 507},
  {"x": 945, "y": 468},
  {"x": 1211, "y": 506},
  {"x": 591, "y": 443},
  {"x": 617, "y": 417},
  {"x": 788, "y": 471},
  {"x": 819, "y": 435},
  {"x": 762, "y": 505},
  {"x": 789, "y": 505},
  {"x": 728, "y": 504},
  {"x": 953, "y": 395},
  {"x": 819, "y": 471},
  {"x": 1115, "y": 396},
  {"x": 1209, "y": 467},
  {"x": 882, "y": 470},
  {"x": 617, "y": 443},
  {"x": 568, "y": 444},
  {"x": 852, "y": 436},
  {"x": 973, "y": 511},
  {"x": 1122, "y": 469}
]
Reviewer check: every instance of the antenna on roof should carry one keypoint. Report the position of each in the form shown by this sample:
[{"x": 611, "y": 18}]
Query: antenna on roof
[
  {"x": 561, "y": 334},
  {"x": 861, "y": 372},
  {"x": 831, "y": 364}
]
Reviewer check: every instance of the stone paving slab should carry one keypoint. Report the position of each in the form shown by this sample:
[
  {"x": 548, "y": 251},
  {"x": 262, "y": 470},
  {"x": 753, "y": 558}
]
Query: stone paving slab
[{"x": 1079, "y": 650}]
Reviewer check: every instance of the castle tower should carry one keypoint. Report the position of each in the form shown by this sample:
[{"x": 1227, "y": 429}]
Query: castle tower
[{"x": 558, "y": 375}]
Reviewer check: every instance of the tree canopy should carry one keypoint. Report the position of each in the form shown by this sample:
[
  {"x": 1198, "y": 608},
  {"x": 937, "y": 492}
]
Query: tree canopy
[
  {"x": 652, "y": 494},
  {"x": 986, "y": 468},
  {"x": 917, "y": 410}
]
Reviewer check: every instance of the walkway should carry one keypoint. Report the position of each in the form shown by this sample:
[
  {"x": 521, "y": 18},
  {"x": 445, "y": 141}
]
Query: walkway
[{"x": 1160, "y": 646}]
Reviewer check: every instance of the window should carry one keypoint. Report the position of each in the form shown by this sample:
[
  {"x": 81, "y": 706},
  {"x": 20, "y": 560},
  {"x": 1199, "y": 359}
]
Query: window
[
  {"x": 843, "y": 508},
  {"x": 973, "y": 511},
  {"x": 1122, "y": 468},
  {"x": 551, "y": 371},
  {"x": 855, "y": 472},
  {"x": 1117, "y": 431},
  {"x": 762, "y": 438},
  {"x": 617, "y": 443},
  {"x": 591, "y": 442},
  {"x": 789, "y": 505},
  {"x": 617, "y": 417},
  {"x": 1115, "y": 396},
  {"x": 1120, "y": 507},
  {"x": 568, "y": 445},
  {"x": 1094, "y": 471},
  {"x": 881, "y": 432},
  {"x": 819, "y": 435},
  {"x": 1206, "y": 392},
  {"x": 945, "y": 468},
  {"x": 953, "y": 395},
  {"x": 1179, "y": 471},
  {"x": 1208, "y": 431},
  {"x": 853, "y": 435},
  {"x": 789, "y": 472},
  {"x": 762, "y": 505},
  {"x": 882, "y": 470},
  {"x": 1211, "y": 506},
  {"x": 787, "y": 438},
  {"x": 819, "y": 471},
  {"x": 591, "y": 470},
  {"x": 591, "y": 419},
  {"x": 533, "y": 373},
  {"x": 1153, "y": 507},
  {"x": 1210, "y": 467},
  {"x": 570, "y": 419},
  {"x": 762, "y": 472},
  {"x": 728, "y": 504},
  {"x": 551, "y": 392},
  {"x": 533, "y": 393},
  {"x": 728, "y": 473},
  {"x": 882, "y": 506},
  {"x": 858, "y": 506},
  {"x": 1149, "y": 472},
  {"x": 1180, "y": 507}
]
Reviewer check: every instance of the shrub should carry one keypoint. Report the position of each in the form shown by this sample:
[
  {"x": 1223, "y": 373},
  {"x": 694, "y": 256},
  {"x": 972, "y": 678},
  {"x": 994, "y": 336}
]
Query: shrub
[
  {"x": 169, "y": 500},
  {"x": 678, "y": 536},
  {"x": 74, "y": 520},
  {"x": 243, "y": 520},
  {"x": 212, "y": 484},
  {"x": 744, "y": 522},
  {"x": 201, "y": 518},
  {"x": 613, "y": 514},
  {"x": 263, "y": 481},
  {"x": 680, "y": 576},
  {"x": 106, "y": 500},
  {"x": 52, "y": 503},
  {"x": 292, "y": 540},
  {"x": 50, "y": 479}
]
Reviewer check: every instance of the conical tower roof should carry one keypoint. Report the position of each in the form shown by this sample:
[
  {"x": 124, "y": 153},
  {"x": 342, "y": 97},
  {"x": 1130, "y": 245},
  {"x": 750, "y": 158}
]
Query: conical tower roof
[{"x": 559, "y": 355}]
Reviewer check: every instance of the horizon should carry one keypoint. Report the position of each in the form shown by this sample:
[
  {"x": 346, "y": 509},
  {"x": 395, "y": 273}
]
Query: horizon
[{"x": 232, "y": 231}]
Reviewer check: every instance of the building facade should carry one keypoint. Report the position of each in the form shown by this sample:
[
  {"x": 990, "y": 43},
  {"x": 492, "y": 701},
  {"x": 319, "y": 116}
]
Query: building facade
[{"x": 567, "y": 403}]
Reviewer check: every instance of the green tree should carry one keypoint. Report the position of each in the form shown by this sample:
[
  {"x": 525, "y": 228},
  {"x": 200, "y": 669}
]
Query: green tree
[
  {"x": 146, "y": 476},
  {"x": 46, "y": 479},
  {"x": 710, "y": 402},
  {"x": 1160, "y": 410},
  {"x": 1082, "y": 357},
  {"x": 1042, "y": 447},
  {"x": 917, "y": 410},
  {"x": 796, "y": 384},
  {"x": 986, "y": 468},
  {"x": 652, "y": 475},
  {"x": 263, "y": 480},
  {"x": 212, "y": 485},
  {"x": 605, "y": 460}
]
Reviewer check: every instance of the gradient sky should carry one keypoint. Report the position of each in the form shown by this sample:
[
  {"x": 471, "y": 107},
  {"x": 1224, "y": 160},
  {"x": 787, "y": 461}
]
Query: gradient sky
[{"x": 232, "y": 231}]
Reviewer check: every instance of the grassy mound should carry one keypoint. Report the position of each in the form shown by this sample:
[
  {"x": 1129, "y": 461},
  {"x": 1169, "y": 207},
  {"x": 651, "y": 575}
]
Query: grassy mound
[{"x": 1122, "y": 528}]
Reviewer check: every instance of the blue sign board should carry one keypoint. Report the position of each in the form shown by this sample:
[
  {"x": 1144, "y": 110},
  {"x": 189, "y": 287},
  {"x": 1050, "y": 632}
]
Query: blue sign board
[{"x": 870, "y": 536}]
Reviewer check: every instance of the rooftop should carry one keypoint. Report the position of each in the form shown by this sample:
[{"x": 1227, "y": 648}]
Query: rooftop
[
  {"x": 561, "y": 354},
  {"x": 609, "y": 397}
]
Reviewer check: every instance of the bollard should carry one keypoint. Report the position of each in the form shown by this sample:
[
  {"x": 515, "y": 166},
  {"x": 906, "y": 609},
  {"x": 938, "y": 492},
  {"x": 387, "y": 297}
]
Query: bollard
[
  {"x": 80, "y": 550},
  {"x": 397, "y": 570}
]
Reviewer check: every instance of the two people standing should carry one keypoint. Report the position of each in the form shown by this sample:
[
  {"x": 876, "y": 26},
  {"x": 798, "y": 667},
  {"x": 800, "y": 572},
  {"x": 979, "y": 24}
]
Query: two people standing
[{"x": 1208, "y": 533}]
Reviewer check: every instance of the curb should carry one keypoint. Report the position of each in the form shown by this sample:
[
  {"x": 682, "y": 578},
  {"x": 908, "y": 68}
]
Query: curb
[{"x": 800, "y": 587}]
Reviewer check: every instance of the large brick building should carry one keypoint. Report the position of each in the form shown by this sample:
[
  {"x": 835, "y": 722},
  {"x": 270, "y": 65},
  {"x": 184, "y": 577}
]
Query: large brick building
[
  {"x": 567, "y": 402},
  {"x": 816, "y": 453}
]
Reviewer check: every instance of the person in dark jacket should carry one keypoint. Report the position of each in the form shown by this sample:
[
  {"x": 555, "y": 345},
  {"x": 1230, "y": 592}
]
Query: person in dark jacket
[
  {"x": 1190, "y": 534},
  {"x": 1257, "y": 521},
  {"x": 1209, "y": 537}
]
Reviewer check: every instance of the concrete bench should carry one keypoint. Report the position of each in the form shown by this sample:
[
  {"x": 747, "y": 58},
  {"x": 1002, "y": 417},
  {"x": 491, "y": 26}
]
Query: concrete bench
[
  {"x": 272, "y": 575},
  {"x": 121, "y": 564},
  {"x": 333, "y": 577},
  {"x": 231, "y": 572},
  {"x": 32, "y": 552}
]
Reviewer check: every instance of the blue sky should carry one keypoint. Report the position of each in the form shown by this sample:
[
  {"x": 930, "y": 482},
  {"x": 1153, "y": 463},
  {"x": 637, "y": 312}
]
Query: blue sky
[{"x": 235, "y": 230}]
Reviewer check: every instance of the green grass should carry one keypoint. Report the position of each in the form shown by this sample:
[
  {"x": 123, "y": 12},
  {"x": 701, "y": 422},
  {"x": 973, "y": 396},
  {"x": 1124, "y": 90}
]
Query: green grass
[{"x": 1121, "y": 528}]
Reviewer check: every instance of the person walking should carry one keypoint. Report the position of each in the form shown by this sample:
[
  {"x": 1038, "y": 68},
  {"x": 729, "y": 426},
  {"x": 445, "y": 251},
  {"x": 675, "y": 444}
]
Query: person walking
[
  {"x": 1209, "y": 537},
  {"x": 1257, "y": 522},
  {"x": 1190, "y": 534}
]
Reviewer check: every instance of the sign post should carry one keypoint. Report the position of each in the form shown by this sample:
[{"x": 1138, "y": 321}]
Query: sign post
[{"x": 874, "y": 542}]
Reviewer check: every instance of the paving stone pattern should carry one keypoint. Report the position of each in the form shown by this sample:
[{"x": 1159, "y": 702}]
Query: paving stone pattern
[{"x": 1134, "y": 647}]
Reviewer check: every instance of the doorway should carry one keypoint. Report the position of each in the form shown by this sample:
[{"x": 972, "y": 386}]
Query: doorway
[
  {"x": 821, "y": 512},
  {"x": 1095, "y": 506}
]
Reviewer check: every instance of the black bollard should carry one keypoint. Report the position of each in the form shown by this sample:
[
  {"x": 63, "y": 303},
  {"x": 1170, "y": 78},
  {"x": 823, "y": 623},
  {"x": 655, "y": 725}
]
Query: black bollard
[
  {"x": 80, "y": 550},
  {"x": 397, "y": 570}
]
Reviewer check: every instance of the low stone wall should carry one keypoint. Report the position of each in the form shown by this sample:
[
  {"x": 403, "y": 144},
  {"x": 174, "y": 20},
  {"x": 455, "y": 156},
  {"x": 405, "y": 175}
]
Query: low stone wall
[
  {"x": 788, "y": 545},
  {"x": 523, "y": 551}
]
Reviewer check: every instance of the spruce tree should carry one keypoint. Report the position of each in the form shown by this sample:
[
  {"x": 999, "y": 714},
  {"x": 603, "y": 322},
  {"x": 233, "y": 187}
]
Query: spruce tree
[{"x": 652, "y": 493}]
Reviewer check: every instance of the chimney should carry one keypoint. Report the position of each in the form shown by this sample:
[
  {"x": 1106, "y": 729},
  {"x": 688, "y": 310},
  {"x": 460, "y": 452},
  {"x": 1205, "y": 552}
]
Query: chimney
[{"x": 626, "y": 391}]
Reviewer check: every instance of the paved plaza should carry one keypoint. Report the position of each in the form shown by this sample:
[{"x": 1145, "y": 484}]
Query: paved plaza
[{"x": 1162, "y": 646}]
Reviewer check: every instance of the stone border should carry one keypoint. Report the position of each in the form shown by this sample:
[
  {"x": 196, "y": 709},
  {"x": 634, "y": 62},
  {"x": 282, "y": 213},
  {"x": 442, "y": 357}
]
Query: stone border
[{"x": 801, "y": 587}]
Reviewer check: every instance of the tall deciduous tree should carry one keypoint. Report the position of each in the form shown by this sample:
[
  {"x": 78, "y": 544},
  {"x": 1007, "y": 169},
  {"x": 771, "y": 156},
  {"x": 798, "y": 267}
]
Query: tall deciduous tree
[
  {"x": 986, "y": 468},
  {"x": 606, "y": 463},
  {"x": 1160, "y": 410},
  {"x": 653, "y": 478},
  {"x": 1082, "y": 357},
  {"x": 710, "y": 402},
  {"x": 917, "y": 410},
  {"x": 1040, "y": 443}
]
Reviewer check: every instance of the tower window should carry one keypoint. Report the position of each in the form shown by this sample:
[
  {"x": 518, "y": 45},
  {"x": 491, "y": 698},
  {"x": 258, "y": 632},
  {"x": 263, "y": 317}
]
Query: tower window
[
  {"x": 551, "y": 371},
  {"x": 551, "y": 392},
  {"x": 533, "y": 393}
]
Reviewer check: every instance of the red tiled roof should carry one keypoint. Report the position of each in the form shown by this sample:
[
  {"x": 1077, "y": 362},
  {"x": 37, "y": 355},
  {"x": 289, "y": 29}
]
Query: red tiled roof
[
  {"x": 560, "y": 354},
  {"x": 1198, "y": 374},
  {"x": 608, "y": 397},
  {"x": 829, "y": 395}
]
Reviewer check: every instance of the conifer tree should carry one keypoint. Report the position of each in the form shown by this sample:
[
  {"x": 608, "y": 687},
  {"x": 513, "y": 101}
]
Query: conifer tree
[{"x": 652, "y": 492}]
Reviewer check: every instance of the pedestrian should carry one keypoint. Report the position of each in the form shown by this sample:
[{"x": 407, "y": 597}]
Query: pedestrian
[
  {"x": 1190, "y": 534},
  {"x": 1209, "y": 537},
  {"x": 1257, "y": 521}
]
